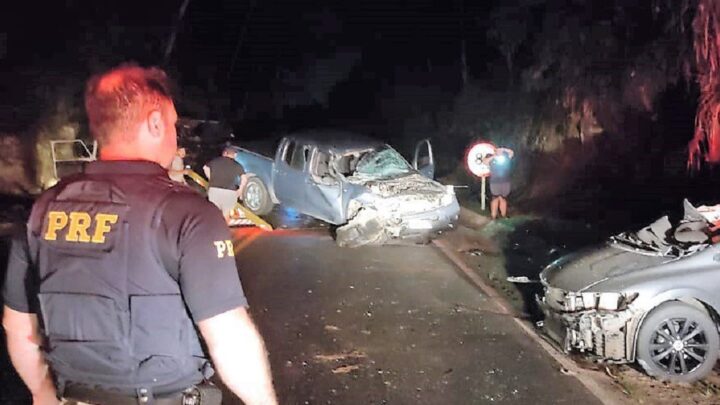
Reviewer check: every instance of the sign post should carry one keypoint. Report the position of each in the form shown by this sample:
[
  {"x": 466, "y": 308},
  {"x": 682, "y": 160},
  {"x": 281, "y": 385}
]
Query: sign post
[
  {"x": 482, "y": 194},
  {"x": 475, "y": 164}
]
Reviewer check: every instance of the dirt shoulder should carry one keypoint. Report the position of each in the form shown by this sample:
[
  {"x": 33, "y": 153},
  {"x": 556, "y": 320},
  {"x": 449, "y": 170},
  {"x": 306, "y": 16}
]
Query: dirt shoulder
[{"x": 521, "y": 247}]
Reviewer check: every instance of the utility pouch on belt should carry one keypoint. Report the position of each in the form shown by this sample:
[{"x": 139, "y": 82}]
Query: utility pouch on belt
[{"x": 205, "y": 393}]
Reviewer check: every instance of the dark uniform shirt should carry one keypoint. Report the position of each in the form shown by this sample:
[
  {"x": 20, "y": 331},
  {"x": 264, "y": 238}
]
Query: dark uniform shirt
[
  {"x": 193, "y": 242},
  {"x": 225, "y": 173}
]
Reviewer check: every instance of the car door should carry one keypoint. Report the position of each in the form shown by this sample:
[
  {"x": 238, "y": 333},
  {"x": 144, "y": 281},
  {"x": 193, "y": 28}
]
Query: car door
[
  {"x": 323, "y": 193},
  {"x": 288, "y": 176},
  {"x": 423, "y": 160}
]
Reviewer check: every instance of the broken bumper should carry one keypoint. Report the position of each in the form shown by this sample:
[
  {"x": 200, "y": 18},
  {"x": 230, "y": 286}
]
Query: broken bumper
[
  {"x": 424, "y": 224},
  {"x": 607, "y": 335},
  {"x": 373, "y": 226}
]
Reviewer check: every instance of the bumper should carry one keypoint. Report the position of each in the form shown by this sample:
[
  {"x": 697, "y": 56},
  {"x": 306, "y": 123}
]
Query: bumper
[
  {"x": 603, "y": 334},
  {"x": 426, "y": 224}
]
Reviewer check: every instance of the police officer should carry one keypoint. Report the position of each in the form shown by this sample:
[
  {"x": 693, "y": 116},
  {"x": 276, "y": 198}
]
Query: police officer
[{"x": 121, "y": 264}]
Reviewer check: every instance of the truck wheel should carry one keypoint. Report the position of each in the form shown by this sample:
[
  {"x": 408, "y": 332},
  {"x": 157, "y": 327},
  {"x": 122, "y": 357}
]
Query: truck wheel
[
  {"x": 256, "y": 197},
  {"x": 678, "y": 343}
]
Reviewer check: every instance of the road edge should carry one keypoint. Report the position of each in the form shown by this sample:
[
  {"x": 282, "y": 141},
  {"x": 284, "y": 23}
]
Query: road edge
[{"x": 604, "y": 393}]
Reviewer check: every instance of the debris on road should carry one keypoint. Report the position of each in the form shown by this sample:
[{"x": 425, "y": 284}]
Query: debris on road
[
  {"x": 565, "y": 371},
  {"x": 326, "y": 358},
  {"x": 345, "y": 369},
  {"x": 475, "y": 252},
  {"x": 521, "y": 280}
]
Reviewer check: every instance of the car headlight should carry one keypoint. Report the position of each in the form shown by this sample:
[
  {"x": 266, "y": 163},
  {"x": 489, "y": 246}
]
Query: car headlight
[
  {"x": 606, "y": 301},
  {"x": 609, "y": 301}
]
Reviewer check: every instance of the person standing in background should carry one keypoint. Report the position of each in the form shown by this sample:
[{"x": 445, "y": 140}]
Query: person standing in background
[
  {"x": 177, "y": 167},
  {"x": 500, "y": 170},
  {"x": 225, "y": 177}
]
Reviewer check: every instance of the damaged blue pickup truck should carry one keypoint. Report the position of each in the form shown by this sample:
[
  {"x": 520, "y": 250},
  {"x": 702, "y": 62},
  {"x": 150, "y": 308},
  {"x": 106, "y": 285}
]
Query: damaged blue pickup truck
[{"x": 364, "y": 187}]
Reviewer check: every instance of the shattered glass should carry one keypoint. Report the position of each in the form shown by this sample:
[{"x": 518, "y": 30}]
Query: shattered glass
[{"x": 382, "y": 164}]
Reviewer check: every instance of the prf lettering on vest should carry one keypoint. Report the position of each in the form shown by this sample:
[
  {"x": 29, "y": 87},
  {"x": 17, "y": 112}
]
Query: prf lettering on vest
[
  {"x": 78, "y": 226},
  {"x": 224, "y": 248}
]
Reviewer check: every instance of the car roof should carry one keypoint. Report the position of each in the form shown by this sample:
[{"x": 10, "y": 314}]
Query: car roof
[{"x": 336, "y": 141}]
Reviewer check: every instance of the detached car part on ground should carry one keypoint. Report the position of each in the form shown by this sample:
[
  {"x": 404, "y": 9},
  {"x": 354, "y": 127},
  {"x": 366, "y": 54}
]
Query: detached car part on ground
[
  {"x": 364, "y": 187},
  {"x": 650, "y": 296}
]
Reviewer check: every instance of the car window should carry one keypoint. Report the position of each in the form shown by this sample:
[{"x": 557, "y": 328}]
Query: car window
[
  {"x": 321, "y": 164},
  {"x": 289, "y": 152},
  {"x": 299, "y": 158}
]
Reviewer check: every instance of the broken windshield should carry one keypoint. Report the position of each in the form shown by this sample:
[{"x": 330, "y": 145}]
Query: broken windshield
[
  {"x": 662, "y": 238},
  {"x": 382, "y": 163}
]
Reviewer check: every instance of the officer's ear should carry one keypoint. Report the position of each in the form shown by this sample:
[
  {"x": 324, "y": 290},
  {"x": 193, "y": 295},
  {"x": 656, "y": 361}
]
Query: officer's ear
[{"x": 156, "y": 125}]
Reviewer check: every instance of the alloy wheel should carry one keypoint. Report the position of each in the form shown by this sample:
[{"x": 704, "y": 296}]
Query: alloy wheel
[
  {"x": 253, "y": 197},
  {"x": 679, "y": 346}
]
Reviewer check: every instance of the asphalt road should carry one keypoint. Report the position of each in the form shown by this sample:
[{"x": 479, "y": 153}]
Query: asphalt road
[
  {"x": 375, "y": 325},
  {"x": 391, "y": 324}
]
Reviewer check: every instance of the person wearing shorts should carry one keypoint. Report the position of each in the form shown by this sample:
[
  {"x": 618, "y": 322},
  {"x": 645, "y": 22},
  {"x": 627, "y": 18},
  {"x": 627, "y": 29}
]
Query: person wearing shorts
[{"x": 500, "y": 170}]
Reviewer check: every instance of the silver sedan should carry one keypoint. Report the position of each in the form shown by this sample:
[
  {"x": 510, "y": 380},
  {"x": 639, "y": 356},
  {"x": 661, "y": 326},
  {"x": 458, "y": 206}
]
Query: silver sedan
[{"x": 649, "y": 296}]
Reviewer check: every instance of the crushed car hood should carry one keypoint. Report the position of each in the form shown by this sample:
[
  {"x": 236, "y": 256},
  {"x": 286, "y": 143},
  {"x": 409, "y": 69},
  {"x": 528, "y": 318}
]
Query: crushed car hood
[
  {"x": 406, "y": 195},
  {"x": 583, "y": 269},
  {"x": 412, "y": 184},
  {"x": 628, "y": 252}
]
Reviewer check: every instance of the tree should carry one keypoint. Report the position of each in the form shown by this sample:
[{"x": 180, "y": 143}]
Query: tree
[
  {"x": 705, "y": 144},
  {"x": 509, "y": 30}
]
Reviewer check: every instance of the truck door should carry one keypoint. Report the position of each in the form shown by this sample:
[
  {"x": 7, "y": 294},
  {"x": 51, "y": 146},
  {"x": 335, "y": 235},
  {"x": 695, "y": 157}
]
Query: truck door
[
  {"x": 323, "y": 193},
  {"x": 289, "y": 175},
  {"x": 424, "y": 161}
]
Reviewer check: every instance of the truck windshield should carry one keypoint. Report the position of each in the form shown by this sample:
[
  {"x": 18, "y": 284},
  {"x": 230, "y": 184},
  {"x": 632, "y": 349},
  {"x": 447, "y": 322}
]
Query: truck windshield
[{"x": 382, "y": 163}]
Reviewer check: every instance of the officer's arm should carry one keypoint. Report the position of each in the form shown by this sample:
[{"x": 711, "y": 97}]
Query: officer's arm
[
  {"x": 239, "y": 355},
  {"x": 23, "y": 343},
  {"x": 243, "y": 183},
  {"x": 509, "y": 152}
]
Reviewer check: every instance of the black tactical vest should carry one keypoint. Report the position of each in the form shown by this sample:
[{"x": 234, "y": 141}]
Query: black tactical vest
[{"x": 112, "y": 315}]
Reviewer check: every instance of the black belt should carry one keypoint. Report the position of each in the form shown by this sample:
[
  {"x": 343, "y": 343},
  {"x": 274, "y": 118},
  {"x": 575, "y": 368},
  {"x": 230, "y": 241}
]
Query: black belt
[{"x": 104, "y": 397}]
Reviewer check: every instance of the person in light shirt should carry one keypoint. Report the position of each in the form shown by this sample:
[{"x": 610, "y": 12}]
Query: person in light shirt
[{"x": 177, "y": 167}]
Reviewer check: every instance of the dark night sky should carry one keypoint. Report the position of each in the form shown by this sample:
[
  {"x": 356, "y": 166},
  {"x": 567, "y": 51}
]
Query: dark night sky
[
  {"x": 389, "y": 33},
  {"x": 408, "y": 75}
]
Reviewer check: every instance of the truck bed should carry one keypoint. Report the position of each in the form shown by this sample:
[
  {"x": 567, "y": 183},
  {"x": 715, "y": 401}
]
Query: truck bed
[{"x": 256, "y": 164}]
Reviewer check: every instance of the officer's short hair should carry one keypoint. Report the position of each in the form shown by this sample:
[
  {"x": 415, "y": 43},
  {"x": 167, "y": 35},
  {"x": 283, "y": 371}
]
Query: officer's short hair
[{"x": 118, "y": 99}]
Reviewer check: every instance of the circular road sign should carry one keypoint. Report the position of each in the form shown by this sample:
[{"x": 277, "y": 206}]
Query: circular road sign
[{"x": 474, "y": 156}]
